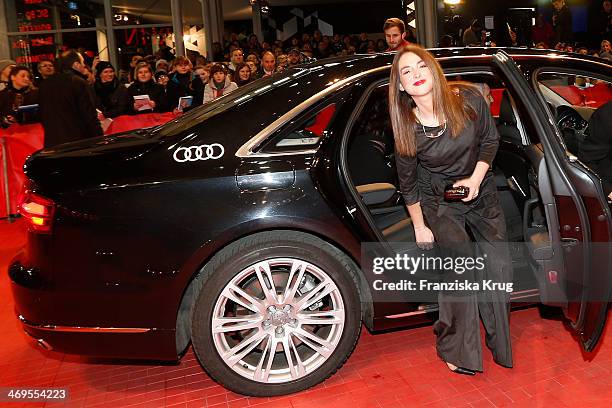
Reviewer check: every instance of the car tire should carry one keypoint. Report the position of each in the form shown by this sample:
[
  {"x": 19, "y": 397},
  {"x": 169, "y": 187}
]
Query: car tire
[{"x": 318, "y": 266}]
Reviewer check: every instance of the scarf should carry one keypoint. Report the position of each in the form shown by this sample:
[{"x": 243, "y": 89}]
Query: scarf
[{"x": 218, "y": 88}]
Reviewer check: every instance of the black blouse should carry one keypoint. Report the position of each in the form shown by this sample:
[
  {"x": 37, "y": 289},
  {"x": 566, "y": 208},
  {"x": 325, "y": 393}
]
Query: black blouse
[{"x": 448, "y": 158}]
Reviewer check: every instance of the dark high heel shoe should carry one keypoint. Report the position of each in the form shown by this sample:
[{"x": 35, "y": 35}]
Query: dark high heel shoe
[{"x": 461, "y": 370}]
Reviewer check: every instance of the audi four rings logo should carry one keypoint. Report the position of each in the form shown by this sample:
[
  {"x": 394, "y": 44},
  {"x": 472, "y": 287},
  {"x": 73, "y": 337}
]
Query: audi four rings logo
[{"x": 203, "y": 152}]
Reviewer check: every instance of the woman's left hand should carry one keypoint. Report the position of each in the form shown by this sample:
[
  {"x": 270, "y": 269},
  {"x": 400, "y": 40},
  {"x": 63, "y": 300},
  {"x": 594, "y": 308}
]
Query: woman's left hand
[{"x": 473, "y": 184}]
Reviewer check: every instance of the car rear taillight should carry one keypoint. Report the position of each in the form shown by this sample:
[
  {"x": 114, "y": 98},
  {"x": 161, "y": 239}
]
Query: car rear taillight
[{"x": 36, "y": 209}]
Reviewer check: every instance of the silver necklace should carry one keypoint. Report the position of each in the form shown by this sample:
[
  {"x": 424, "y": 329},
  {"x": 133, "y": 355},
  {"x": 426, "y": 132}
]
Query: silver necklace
[{"x": 430, "y": 136}]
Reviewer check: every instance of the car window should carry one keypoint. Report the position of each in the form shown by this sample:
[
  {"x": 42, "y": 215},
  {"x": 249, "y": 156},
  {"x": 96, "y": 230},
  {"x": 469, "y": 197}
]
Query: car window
[
  {"x": 575, "y": 90},
  {"x": 573, "y": 100},
  {"x": 309, "y": 133},
  {"x": 489, "y": 85},
  {"x": 307, "y": 130},
  {"x": 371, "y": 144}
]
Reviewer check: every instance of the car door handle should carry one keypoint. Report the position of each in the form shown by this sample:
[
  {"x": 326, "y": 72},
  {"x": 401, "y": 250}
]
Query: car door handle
[
  {"x": 265, "y": 175},
  {"x": 569, "y": 242}
]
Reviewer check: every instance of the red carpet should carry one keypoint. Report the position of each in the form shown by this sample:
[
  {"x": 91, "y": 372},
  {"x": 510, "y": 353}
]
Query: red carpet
[{"x": 397, "y": 369}]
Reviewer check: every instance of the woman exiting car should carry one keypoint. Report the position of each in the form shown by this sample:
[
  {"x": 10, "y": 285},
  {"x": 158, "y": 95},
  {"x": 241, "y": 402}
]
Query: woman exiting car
[{"x": 445, "y": 137}]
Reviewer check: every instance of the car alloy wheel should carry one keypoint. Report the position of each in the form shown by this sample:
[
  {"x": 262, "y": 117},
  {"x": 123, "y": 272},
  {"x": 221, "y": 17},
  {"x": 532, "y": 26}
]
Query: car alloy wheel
[
  {"x": 278, "y": 320},
  {"x": 275, "y": 312}
]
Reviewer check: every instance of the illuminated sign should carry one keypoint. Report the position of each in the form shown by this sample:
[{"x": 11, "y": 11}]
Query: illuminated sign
[{"x": 33, "y": 16}]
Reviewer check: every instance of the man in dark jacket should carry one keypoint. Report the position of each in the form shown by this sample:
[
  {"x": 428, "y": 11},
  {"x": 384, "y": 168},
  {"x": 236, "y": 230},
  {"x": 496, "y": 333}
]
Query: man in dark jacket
[
  {"x": 603, "y": 23},
  {"x": 596, "y": 150},
  {"x": 562, "y": 22},
  {"x": 67, "y": 103}
]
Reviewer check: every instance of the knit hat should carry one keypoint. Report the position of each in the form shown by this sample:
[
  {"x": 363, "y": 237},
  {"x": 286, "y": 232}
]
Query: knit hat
[
  {"x": 159, "y": 62},
  {"x": 5, "y": 63},
  {"x": 160, "y": 73},
  {"x": 102, "y": 65}
]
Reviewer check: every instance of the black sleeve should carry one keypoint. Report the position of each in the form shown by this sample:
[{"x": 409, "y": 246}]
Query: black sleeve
[
  {"x": 121, "y": 104},
  {"x": 598, "y": 145},
  {"x": 407, "y": 174},
  {"x": 6, "y": 102},
  {"x": 164, "y": 103},
  {"x": 173, "y": 93},
  {"x": 132, "y": 91},
  {"x": 596, "y": 150},
  {"x": 5, "y": 108},
  {"x": 85, "y": 98},
  {"x": 197, "y": 87},
  {"x": 487, "y": 130},
  {"x": 156, "y": 94}
]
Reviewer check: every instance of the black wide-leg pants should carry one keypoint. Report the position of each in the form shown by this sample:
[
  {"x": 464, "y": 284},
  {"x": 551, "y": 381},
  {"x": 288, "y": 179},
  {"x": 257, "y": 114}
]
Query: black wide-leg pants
[{"x": 458, "y": 326}]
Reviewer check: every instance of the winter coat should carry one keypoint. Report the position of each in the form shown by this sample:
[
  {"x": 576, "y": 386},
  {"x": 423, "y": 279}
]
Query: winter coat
[
  {"x": 211, "y": 92},
  {"x": 112, "y": 98},
  {"x": 67, "y": 108},
  {"x": 178, "y": 86},
  {"x": 562, "y": 26},
  {"x": 155, "y": 91},
  {"x": 11, "y": 99}
]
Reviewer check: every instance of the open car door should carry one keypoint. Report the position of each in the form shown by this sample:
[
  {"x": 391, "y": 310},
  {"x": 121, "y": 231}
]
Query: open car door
[{"x": 571, "y": 254}]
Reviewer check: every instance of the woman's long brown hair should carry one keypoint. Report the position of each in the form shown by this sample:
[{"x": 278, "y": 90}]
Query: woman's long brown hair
[{"x": 448, "y": 103}]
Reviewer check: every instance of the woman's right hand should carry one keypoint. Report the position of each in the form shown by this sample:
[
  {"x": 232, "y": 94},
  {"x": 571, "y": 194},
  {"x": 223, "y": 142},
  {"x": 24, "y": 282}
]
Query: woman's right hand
[{"x": 424, "y": 238}]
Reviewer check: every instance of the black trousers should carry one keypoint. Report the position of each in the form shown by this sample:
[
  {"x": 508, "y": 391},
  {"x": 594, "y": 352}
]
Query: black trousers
[{"x": 458, "y": 326}]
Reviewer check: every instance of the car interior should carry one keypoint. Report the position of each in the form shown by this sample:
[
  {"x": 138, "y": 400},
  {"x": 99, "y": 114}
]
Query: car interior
[
  {"x": 370, "y": 163},
  {"x": 573, "y": 99}
]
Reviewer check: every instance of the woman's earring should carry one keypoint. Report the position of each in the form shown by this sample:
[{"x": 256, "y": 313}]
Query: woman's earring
[{"x": 401, "y": 88}]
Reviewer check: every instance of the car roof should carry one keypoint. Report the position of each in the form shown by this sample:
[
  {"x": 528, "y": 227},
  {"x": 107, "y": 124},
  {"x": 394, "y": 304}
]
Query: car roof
[{"x": 468, "y": 53}]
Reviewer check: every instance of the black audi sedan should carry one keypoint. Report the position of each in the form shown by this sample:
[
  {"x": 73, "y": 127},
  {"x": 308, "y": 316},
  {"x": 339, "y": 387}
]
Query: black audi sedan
[{"x": 238, "y": 227}]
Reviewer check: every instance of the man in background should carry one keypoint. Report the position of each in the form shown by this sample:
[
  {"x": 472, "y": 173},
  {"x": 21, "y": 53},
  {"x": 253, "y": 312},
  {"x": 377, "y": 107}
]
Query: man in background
[
  {"x": 268, "y": 65},
  {"x": 294, "y": 57},
  {"x": 603, "y": 24},
  {"x": 472, "y": 36},
  {"x": 395, "y": 34},
  {"x": 67, "y": 104},
  {"x": 562, "y": 22},
  {"x": 596, "y": 150},
  {"x": 237, "y": 57},
  {"x": 45, "y": 69}
]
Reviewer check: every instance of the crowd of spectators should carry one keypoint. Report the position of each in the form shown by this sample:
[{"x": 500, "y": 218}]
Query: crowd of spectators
[
  {"x": 165, "y": 83},
  {"x": 556, "y": 34}
]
